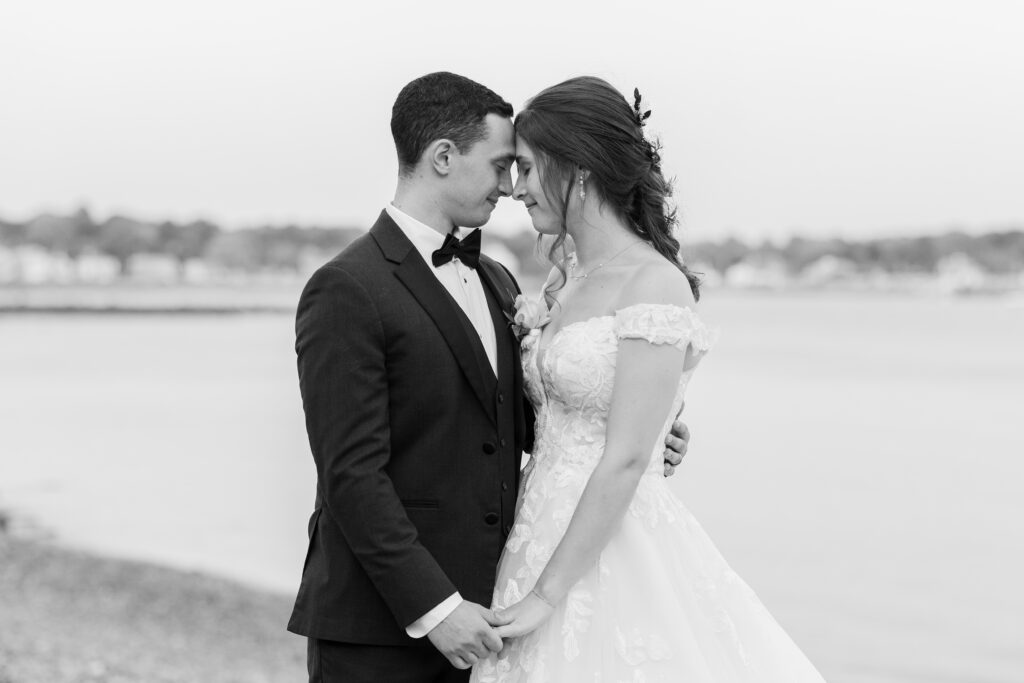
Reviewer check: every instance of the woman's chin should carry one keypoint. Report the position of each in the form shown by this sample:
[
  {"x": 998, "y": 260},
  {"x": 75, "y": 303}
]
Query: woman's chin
[{"x": 545, "y": 228}]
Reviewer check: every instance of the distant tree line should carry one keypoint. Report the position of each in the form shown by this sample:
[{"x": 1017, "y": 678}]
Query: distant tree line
[
  {"x": 122, "y": 237},
  {"x": 996, "y": 252},
  {"x": 282, "y": 248}
]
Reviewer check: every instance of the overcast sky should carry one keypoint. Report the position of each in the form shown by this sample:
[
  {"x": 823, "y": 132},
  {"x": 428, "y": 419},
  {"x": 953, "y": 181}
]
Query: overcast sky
[{"x": 782, "y": 117}]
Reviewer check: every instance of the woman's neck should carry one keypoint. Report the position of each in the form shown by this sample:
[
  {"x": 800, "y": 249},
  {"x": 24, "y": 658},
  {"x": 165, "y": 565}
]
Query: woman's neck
[{"x": 599, "y": 235}]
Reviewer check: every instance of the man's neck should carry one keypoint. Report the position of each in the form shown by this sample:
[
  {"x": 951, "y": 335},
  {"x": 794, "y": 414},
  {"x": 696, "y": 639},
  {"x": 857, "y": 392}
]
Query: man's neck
[{"x": 423, "y": 207}]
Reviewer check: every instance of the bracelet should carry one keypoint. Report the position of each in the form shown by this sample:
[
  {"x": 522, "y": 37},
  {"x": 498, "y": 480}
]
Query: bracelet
[{"x": 542, "y": 598}]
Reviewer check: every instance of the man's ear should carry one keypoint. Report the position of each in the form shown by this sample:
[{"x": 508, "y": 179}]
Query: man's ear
[{"x": 439, "y": 154}]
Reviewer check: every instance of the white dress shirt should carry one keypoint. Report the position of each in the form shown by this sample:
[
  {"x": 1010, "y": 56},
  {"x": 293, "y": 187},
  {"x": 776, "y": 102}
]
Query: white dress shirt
[{"x": 463, "y": 283}]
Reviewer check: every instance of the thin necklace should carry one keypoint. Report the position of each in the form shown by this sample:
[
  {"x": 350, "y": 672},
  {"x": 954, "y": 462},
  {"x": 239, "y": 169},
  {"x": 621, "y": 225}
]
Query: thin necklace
[{"x": 584, "y": 276}]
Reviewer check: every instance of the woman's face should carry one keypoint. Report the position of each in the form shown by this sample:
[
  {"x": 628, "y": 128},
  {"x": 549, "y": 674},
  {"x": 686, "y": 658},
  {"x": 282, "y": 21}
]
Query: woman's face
[{"x": 547, "y": 219}]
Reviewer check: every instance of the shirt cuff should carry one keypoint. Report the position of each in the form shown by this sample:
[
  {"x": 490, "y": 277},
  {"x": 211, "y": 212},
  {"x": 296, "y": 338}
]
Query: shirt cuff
[{"x": 428, "y": 621}]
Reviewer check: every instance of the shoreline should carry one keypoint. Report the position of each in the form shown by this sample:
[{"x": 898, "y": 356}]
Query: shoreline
[
  {"x": 72, "y": 616},
  {"x": 145, "y": 310}
]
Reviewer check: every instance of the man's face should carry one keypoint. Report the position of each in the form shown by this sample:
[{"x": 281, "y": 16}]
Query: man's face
[{"x": 482, "y": 174}]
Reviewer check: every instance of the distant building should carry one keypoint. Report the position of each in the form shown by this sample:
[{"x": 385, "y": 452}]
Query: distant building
[
  {"x": 154, "y": 268},
  {"x": 758, "y": 272},
  {"x": 10, "y": 271},
  {"x": 37, "y": 266},
  {"x": 94, "y": 268},
  {"x": 198, "y": 272},
  {"x": 828, "y": 270},
  {"x": 959, "y": 273}
]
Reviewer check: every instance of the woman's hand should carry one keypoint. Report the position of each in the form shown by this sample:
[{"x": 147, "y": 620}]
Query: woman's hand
[{"x": 526, "y": 616}]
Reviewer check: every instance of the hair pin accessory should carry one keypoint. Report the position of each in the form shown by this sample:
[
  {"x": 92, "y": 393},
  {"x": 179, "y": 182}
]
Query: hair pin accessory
[{"x": 641, "y": 118}]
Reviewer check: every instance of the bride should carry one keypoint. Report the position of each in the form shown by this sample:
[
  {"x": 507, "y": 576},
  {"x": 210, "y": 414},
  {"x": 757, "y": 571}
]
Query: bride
[{"x": 606, "y": 576}]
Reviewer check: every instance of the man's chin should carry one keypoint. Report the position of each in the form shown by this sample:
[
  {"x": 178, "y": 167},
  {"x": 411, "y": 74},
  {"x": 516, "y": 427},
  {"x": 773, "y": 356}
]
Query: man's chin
[{"x": 476, "y": 221}]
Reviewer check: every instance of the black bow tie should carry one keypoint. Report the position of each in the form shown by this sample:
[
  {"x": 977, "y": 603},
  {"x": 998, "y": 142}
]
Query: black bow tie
[{"x": 467, "y": 250}]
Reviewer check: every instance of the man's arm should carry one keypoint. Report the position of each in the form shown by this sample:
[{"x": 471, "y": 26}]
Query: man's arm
[
  {"x": 340, "y": 345},
  {"x": 343, "y": 379}
]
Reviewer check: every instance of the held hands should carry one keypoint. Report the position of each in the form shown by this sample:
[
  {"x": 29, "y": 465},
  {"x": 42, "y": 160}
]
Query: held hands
[
  {"x": 676, "y": 444},
  {"x": 525, "y": 616},
  {"x": 468, "y": 634}
]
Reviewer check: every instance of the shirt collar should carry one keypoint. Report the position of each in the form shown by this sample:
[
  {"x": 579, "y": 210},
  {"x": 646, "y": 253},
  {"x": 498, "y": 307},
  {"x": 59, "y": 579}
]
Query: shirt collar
[{"x": 423, "y": 237}]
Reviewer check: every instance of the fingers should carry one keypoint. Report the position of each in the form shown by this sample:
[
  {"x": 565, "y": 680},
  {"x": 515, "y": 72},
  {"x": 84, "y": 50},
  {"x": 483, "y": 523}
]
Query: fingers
[
  {"x": 509, "y": 631},
  {"x": 496, "y": 618},
  {"x": 465, "y": 661},
  {"x": 478, "y": 649},
  {"x": 466, "y": 636},
  {"x": 677, "y": 443},
  {"x": 673, "y": 455},
  {"x": 681, "y": 430},
  {"x": 492, "y": 641},
  {"x": 669, "y": 470}
]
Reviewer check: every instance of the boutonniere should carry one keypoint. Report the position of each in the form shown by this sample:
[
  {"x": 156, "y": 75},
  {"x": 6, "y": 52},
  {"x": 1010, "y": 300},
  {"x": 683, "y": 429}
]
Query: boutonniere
[{"x": 528, "y": 316}]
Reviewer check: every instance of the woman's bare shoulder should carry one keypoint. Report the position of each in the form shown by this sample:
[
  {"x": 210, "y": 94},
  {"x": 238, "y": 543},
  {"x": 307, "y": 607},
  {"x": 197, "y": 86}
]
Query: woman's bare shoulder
[{"x": 656, "y": 280}]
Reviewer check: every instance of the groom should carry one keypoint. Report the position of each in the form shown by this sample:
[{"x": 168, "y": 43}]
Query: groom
[{"x": 412, "y": 389}]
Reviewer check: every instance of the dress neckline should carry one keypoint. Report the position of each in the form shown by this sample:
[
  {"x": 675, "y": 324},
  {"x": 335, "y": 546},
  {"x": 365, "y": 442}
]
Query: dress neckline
[{"x": 542, "y": 348}]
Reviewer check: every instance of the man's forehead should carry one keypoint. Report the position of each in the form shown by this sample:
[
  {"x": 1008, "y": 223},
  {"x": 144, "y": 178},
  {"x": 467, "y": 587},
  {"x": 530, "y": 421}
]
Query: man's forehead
[
  {"x": 503, "y": 132},
  {"x": 503, "y": 138},
  {"x": 501, "y": 125},
  {"x": 499, "y": 143}
]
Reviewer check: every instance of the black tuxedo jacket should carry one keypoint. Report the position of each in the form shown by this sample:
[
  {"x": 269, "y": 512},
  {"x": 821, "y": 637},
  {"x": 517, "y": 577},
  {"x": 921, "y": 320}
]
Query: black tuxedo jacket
[{"x": 417, "y": 445}]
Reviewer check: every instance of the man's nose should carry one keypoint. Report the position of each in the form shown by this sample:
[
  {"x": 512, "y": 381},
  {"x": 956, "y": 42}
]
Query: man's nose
[{"x": 505, "y": 186}]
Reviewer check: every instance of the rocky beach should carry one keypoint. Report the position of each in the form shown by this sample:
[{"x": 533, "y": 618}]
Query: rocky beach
[{"x": 67, "y": 616}]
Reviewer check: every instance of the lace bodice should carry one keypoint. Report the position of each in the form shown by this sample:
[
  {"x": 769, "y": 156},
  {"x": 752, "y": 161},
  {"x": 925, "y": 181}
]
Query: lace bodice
[{"x": 570, "y": 380}]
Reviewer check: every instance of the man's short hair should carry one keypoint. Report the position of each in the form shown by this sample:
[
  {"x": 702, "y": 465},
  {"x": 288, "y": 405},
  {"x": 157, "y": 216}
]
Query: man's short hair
[{"x": 437, "y": 106}]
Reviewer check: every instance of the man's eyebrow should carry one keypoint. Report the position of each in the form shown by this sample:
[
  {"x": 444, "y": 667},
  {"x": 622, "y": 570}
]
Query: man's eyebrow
[{"x": 504, "y": 157}]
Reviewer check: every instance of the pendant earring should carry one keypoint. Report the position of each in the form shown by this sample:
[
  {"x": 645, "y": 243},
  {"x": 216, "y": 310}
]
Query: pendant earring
[{"x": 583, "y": 190}]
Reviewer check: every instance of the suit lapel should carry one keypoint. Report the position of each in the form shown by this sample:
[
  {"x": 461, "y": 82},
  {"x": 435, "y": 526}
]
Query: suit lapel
[
  {"x": 451, "y": 322},
  {"x": 500, "y": 301},
  {"x": 503, "y": 290}
]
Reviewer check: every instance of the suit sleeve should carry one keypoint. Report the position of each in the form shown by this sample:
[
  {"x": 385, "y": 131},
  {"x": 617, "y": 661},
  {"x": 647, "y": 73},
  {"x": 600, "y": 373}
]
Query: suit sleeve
[{"x": 340, "y": 345}]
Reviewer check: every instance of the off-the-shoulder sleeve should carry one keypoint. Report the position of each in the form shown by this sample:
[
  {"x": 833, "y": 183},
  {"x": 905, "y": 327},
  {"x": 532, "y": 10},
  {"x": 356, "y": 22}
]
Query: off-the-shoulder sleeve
[{"x": 664, "y": 324}]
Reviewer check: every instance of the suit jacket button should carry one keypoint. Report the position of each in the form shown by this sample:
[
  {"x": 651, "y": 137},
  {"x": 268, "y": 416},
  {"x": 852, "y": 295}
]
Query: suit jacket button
[
  {"x": 501, "y": 398},
  {"x": 504, "y": 486},
  {"x": 489, "y": 447},
  {"x": 502, "y": 442},
  {"x": 491, "y": 518}
]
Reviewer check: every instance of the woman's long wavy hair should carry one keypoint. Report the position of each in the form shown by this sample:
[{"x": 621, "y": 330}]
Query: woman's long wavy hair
[{"x": 585, "y": 124}]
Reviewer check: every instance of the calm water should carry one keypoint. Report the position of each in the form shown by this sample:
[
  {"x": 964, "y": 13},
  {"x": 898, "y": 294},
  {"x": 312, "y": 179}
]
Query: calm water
[{"x": 859, "y": 460}]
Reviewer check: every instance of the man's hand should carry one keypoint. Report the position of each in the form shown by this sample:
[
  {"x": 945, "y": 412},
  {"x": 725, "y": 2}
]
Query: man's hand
[
  {"x": 676, "y": 443},
  {"x": 467, "y": 634}
]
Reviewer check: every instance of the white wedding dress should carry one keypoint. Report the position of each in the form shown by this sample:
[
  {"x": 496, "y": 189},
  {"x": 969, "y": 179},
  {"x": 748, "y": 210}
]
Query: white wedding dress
[{"x": 661, "y": 604}]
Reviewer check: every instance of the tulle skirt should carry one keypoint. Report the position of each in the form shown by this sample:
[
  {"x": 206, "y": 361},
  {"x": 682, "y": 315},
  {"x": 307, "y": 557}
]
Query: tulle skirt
[{"x": 660, "y": 605}]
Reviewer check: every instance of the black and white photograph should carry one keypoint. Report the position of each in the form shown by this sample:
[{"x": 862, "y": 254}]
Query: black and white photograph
[{"x": 538, "y": 342}]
